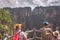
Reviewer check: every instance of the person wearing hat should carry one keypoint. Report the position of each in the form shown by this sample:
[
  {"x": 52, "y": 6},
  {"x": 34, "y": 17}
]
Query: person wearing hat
[
  {"x": 56, "y": 33},
  {"x": 46, "y": 31},
  {"x": 5, "y": 36}
]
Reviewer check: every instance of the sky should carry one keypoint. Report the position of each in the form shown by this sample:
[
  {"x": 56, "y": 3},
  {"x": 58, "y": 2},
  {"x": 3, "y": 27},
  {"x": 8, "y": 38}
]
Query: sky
[{"x": 28, "y": 3}]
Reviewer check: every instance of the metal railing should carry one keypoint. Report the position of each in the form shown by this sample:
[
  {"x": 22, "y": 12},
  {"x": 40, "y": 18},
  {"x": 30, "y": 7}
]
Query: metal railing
[{"x": 34, "y": 34}]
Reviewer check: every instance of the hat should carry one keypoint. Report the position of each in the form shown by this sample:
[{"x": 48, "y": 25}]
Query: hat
[{"x": 45, "y": 23}]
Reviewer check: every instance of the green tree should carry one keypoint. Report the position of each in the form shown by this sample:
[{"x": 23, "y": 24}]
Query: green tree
[{"x": 5, "y": 22}]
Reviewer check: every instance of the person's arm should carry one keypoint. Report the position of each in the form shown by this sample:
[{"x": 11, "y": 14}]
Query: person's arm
[
  {"x": 52, "y": 33},
  {"x": 41, "y": 29},
  {"x": 25, "y": 36}
]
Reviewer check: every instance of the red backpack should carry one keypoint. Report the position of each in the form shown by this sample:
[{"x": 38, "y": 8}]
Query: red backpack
[{"x": 16, "y": 36}]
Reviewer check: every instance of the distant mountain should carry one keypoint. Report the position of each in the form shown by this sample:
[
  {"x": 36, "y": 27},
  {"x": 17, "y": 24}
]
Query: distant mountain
[{"x": 34, "y": 18}]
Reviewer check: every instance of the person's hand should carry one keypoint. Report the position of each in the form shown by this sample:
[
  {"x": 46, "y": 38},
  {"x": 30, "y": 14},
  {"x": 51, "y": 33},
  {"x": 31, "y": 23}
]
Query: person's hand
[{"x": 26, "y": 33}]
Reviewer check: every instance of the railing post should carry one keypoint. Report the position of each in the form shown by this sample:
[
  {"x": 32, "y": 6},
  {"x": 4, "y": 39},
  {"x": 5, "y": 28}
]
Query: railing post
[{"x": 34, "y": 32}]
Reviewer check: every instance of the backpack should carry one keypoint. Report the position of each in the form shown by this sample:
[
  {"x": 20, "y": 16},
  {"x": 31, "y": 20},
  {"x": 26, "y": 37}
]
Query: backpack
[{"x": 16, "y": 36}]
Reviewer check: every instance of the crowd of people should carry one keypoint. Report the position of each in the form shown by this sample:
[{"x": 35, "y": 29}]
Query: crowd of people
[{"x": 46, "y": 33}]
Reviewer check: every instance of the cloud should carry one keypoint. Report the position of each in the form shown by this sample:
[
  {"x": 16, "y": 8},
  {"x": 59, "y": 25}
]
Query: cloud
[{"x": 28, "y": 3}]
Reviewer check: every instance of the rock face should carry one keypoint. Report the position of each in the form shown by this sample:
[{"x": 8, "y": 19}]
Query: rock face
[{"x": 34, "y": 18}]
